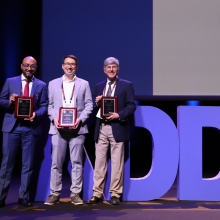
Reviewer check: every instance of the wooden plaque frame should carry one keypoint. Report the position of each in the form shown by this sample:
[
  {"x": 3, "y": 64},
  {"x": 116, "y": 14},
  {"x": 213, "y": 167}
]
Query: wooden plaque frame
[
  {"x": 69, "y": 116},
  {"x": 24, "y": 107},
  {"x": 108, "y": 104}
]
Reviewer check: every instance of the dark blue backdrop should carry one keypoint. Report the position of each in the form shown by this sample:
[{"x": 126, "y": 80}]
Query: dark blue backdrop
[{"x": 95, "y": 30}]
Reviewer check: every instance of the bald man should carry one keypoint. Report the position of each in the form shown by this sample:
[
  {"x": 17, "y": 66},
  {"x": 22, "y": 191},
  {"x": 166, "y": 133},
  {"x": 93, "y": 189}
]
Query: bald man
[{"x": 21, "y": 134}]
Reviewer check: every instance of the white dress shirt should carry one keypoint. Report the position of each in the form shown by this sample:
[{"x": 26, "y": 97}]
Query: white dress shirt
[
  {"x": 68, "y": 88},
  {"x": 23, "y": 83}
]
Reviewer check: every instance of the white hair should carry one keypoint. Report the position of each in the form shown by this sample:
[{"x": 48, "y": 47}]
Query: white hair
[{"x": 111, "y": 60}]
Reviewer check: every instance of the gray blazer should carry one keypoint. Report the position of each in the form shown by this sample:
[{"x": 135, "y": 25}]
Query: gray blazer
[{"x": 82, "y": 100}]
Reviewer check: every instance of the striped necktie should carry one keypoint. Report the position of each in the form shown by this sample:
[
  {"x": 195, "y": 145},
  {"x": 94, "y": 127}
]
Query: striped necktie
[{"x": 109, "y": 92}]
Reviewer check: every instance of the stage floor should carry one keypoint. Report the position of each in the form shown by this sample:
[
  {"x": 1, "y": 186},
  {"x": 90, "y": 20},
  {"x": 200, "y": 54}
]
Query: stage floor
[{"x": 166, "y": 207}]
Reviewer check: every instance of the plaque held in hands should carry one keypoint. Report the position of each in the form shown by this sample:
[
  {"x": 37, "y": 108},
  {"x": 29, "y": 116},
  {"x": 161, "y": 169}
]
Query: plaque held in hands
[
  {"x": 108, "y": 104},
  {"x": 23, "y": 107},
  {"x": 67, "y": 117}
]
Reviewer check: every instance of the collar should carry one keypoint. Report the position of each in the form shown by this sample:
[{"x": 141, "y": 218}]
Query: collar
[
  {"x": 64, "y": 78},
  {"x": 110, "y": 81},
  {"x": 24, "y": 79}
]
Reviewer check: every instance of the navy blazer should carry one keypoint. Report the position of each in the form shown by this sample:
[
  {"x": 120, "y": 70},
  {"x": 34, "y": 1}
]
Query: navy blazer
[
  {"x": 126, "y": 106},
  {"x": 38, "y": 91}
]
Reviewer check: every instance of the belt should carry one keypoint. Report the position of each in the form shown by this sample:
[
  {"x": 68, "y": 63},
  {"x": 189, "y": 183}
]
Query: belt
[
  {"x": 105, "y": 122},
  {"x": 23, "y": 122}
]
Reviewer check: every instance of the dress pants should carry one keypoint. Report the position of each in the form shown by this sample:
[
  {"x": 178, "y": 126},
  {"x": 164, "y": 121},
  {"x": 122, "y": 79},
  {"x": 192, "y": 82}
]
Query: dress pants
[
  {"x": 60, "y": 143},
  {"x": 20, "y": 138},
  {"x": 117, "y": 163}
]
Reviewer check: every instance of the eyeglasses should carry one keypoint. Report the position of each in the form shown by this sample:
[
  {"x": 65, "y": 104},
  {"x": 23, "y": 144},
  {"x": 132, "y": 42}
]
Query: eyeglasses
[
  {"x": 111, "y": 67},
  {"x": 70, "y": 64},
  {"x": 28, "y": 65}
]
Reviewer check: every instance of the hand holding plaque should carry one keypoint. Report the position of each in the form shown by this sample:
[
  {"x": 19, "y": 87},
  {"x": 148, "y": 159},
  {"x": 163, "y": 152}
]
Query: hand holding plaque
[
  {"x": 23, "y": 107},
  {"x": 108, "y": 104},
  {"x": 67, "y": 117}
]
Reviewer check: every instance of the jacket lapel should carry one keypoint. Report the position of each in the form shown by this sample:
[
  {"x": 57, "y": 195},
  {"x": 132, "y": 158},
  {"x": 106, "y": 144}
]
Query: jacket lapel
[
  {"x": 118, "y": 86},
  {"x": 59, "y": 90},
  {"x": 102, "y": 88},
  {"x": 77, "y": 85},
  {"x": 34, "y": 86},
  {"x": 18, "y": 86}
]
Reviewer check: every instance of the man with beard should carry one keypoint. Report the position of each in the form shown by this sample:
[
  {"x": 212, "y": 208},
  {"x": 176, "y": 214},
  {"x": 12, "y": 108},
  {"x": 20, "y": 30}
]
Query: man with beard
[
  {"x": 68, "y": 91},
  {"x": 21, "y": 133}
]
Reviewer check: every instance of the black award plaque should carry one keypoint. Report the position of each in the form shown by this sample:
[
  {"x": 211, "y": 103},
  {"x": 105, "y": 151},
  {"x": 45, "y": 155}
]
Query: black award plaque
[
  {"x": 23, "y": 107},
  {"x": 108, "y": 104}
]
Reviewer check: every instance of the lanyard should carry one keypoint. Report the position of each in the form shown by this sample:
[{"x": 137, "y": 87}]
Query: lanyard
[
  {"x": 64, "y": 97},
  {"x": 111, "y": 89}
]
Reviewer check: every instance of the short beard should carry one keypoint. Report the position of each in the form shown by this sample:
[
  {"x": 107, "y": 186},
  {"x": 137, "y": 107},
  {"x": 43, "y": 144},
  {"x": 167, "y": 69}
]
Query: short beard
[{"x": 28, "y": 76}]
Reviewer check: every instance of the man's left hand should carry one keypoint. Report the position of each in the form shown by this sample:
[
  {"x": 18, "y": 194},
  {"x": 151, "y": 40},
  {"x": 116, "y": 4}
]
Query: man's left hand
[
  {"x": 76, "y": 124},
  {"x": 113, "y": 116},
  {"x": 31, "y": 119}
]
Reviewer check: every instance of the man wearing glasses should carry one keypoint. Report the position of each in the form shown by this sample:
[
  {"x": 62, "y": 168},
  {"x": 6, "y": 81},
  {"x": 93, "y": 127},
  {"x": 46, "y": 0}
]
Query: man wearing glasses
[
  {"x": 111, "y": 131},
  {"x": 21, "y": 132},
  {"x": 68, "y": 92}
]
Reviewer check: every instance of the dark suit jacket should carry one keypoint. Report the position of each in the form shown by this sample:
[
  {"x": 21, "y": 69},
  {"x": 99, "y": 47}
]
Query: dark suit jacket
[
  {"x": 126, "y": 106},
  {"x": 38, "y": 91}
]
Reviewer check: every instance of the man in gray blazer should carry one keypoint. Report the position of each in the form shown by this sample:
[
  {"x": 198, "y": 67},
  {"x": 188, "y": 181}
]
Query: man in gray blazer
[{"x": 69, "y": 91}]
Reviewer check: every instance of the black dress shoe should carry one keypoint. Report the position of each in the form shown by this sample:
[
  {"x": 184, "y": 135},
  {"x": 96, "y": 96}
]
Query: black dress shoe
[
  {"x": 2, "y": 203},
  {"x": 114, "y": 200},
  {"x": 24, "y": 202},
  {"x": 93, "y": 200}
]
